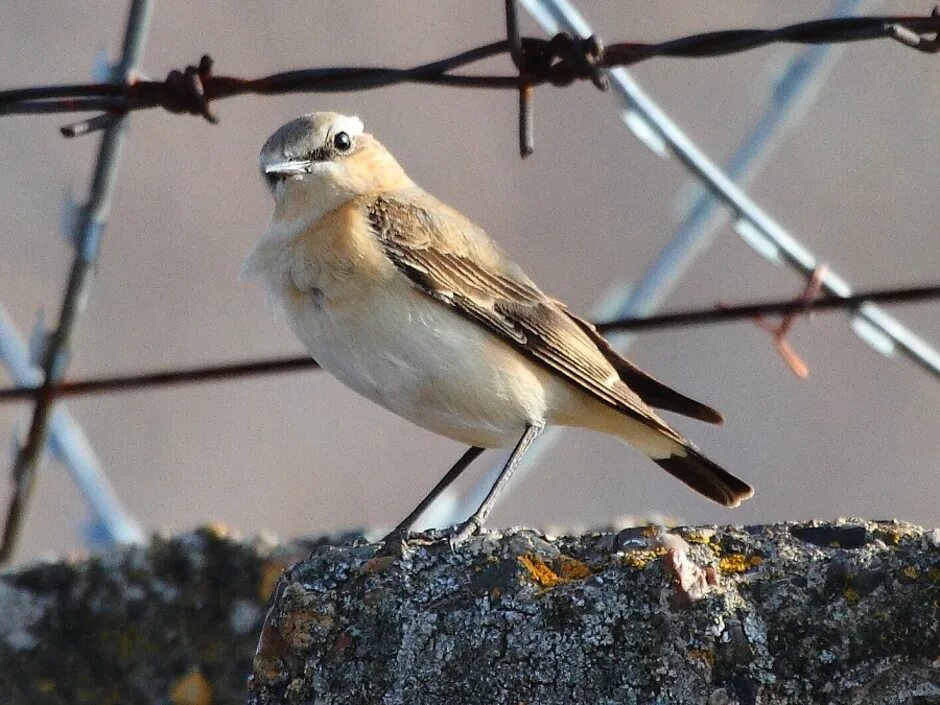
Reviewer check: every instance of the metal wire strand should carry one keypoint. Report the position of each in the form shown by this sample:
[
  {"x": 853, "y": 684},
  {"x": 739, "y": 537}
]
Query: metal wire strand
[
  {"x": 677, "y": 319},
  {"x": 559, "y": 61},
  {"x": 86, "y": 243}
]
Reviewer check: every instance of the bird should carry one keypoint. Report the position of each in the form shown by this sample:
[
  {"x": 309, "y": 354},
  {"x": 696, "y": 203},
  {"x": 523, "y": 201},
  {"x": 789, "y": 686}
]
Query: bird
[{"x": 410, "y": 304}]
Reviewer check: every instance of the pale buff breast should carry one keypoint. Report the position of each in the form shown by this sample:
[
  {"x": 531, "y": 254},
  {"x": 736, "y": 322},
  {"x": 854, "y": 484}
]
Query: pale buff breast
[{"x": 382, "y": 337}]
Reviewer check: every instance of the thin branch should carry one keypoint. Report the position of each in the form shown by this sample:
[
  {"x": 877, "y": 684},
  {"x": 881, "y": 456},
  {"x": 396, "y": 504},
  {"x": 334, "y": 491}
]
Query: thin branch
[
  {"x": 68, "y": 442},
  {"x": 215, "y": 373}
]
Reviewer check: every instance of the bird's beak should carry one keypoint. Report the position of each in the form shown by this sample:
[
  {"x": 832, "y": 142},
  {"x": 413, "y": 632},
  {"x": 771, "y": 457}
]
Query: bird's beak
[{"x": 289, "y": 168}]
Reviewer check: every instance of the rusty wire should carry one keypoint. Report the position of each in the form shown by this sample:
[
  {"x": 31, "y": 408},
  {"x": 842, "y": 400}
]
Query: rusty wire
[
  {"x": 558, "y": 61},
  {"x": 86, "y": 243},
  {"x": 789, "y": 308}
]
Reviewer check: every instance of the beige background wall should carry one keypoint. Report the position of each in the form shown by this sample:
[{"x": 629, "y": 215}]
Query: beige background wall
[{"x": 857, "y": 181}]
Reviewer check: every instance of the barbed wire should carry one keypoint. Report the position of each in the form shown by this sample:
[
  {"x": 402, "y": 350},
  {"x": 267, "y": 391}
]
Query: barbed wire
[
  {"x": 558, "y": 61},
  {"x": 653, "y": 127},
  {"x": 675, "y": 319}
]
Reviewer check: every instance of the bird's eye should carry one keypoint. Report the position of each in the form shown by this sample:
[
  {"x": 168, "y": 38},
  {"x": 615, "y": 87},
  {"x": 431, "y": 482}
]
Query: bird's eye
[{"x": 341, "y": 141}]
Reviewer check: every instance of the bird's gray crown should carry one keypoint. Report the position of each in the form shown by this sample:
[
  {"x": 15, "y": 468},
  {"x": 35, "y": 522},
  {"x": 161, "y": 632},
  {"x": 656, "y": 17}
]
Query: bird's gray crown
[{"x": 305, "y": 136}]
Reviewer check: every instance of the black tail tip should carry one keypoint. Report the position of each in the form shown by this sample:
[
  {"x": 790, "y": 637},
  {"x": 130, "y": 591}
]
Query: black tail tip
[
  {"x": 706, "y": 478},
  {"x": 708, "y": 415}
]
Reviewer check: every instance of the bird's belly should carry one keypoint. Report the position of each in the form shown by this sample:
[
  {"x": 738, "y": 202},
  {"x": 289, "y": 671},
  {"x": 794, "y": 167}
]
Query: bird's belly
[{"x": 424, "y": 362}]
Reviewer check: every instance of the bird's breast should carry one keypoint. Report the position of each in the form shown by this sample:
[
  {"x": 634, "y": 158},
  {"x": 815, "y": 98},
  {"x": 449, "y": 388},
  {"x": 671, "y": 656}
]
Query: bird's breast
[
  {"x": 369, "y": 326},
  {"x": 413, "y": 356}
]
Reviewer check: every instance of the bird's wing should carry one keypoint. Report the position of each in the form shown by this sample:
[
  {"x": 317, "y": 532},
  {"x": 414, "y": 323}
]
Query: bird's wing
[
  {"x": 650, "y": 389},
  {"x": 454, "y": 262}
]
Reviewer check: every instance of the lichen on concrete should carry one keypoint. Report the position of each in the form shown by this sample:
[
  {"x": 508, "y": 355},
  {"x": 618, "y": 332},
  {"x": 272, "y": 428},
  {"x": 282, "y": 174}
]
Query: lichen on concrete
[
  {"x": 175, "y": 621},
  {"x": 837, "y": 613},
  {"x": 841, "y": 612}
]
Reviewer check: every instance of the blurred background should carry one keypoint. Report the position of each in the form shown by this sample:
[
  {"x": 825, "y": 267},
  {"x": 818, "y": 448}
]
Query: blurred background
[{"x": 856, "y": 180}]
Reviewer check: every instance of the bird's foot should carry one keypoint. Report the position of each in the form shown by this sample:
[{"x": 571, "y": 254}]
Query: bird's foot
[
  {"x": 394, "y": 544},
  {"x": 397, "y": 543},
  {"x": 464, "y": 532}
]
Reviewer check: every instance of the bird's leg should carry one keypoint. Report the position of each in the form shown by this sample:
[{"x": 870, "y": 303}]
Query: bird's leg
[
  {"x": 478, "y": 518},
  {"x": 396, "y": 535}
]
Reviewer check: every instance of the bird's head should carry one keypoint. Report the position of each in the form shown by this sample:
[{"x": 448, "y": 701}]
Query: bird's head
[{"x": 325, "y": 159}]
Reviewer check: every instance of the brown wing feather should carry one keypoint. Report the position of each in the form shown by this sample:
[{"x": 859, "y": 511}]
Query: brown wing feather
[
  {"x": 650, "y": 389},
  {"x": 454, "y": 262}
]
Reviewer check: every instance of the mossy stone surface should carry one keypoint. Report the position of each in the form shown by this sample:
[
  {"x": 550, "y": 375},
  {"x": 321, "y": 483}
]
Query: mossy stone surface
[
  {"x": 827, "y": 612},
  {"x": 842, "y": 612}
]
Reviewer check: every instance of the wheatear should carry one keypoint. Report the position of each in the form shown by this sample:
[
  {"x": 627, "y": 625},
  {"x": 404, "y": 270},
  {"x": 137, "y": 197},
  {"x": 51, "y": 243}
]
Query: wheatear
[{"x": 410, "y": 304}]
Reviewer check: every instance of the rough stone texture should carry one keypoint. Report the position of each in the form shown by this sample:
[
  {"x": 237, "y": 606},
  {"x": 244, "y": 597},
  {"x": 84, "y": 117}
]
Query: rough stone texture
[
  {"x": 813, "y": 613},
  {"x": 173, "y": 622},
  {"x": 828, "y": 613}
]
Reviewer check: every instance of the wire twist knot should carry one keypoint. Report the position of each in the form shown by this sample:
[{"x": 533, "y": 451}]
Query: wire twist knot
[
  {"x": 565, "y": 59},
  {"x": 185, "y": 90}
]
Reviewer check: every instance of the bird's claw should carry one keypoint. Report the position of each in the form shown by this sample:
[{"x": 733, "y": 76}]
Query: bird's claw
[
  {"x": 394, "y": 544},
  {"x": 463, "y": 532},
  {"x": 398, "y": 543}
]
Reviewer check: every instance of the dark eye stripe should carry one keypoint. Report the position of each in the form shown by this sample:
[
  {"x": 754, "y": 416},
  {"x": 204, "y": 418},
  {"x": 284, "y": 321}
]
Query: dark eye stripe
[
  {"x": 322, "y": 154},
  {"x": 327, "y": 152}
]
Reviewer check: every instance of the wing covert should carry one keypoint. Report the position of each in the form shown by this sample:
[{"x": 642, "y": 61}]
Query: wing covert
[{"x": 454, "y": 262}]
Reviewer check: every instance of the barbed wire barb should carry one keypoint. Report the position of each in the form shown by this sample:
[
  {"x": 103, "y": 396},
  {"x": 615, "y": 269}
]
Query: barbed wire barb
[{"x": 779, "y": 331}]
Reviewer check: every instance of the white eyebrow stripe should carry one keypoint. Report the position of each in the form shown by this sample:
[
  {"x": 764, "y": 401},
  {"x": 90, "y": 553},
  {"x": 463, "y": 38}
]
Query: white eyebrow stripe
[{"x": 348, "y": 124}]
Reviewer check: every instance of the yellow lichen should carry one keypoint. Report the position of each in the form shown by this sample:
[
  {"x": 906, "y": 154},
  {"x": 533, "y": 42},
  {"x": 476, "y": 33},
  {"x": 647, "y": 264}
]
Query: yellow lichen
[
  {"x": 564, "y": 569},
  {"x": 892, "y": 537},
  {"x": 640, "y": 557},
  {"x": 539, "y": 571},
  {"x": 910, "y": 572},
  {"x": 851, "y": 596},
  {"x": 191, "y": 689},
  {"x": 738, "y": 563},
  {"x": 934, "y": 574},
  {"x": 695, "y": 537}
]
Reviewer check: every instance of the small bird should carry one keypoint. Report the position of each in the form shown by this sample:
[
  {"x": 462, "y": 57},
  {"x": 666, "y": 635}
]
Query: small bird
[{"x": 411, "y": 305}]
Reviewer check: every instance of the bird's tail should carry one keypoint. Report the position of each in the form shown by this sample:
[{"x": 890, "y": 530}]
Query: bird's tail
[
  {"x": 666, "y": 447},
  {"x": 684, "y": 461},
  {"x": 705, "y": 477}
]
